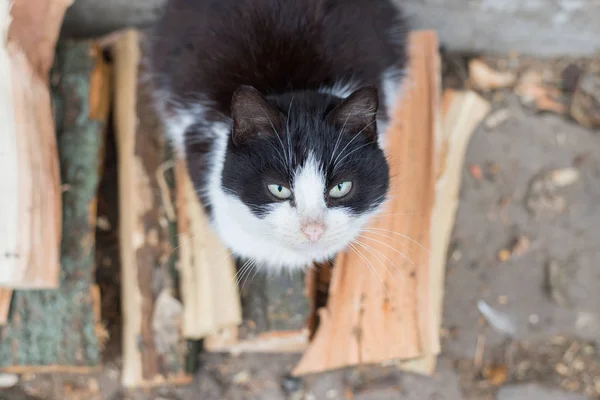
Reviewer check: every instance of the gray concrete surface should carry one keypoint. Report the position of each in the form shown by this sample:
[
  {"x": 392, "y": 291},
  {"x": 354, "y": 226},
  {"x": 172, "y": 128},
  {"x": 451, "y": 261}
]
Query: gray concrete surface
[
  {"x": 529, "y": 392},
  {"x": 521, "y": 148},
  {"x": 537, "y": 27}
]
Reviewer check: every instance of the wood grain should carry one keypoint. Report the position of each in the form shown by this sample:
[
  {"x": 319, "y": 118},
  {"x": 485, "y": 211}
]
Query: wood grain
[
  {"x": 154, "y": 349},
  {"x": 380, "y": 298},
  {"x": 30, "y": 204}
]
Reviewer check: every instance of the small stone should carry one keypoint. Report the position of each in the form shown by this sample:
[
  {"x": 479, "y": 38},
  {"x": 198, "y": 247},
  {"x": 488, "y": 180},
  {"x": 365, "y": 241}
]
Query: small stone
[
  {"x": 534, "y": 391},
  {"x": 585, "y": 103},
  {"x": 570, "y": 77},
  {"x": 497, "y": 118},
  {"x": 534, "y": 319},
  {"x": 564, "y": 176},
  {"x": 103, "y": 223},
  {"x": 241, "y": 378},
  {"x": 578, "y": 365},
  {"x": 557, "y": 283},
  {"x": 561, "y": 369},
  {"x": 520, "y": 246},
  {"x": 8, "y": 380},
  {"x": 290, "y": 384}
]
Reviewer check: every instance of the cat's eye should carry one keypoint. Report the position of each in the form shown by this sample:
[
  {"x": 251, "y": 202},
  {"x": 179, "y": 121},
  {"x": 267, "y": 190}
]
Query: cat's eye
[
  {"x": 340, "y": 190},
  {"x": 280, "y": 191}
]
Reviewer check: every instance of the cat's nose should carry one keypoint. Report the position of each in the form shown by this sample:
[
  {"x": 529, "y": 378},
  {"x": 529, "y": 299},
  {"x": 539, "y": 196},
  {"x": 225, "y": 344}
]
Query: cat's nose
[{"x": 313, "y": 231}]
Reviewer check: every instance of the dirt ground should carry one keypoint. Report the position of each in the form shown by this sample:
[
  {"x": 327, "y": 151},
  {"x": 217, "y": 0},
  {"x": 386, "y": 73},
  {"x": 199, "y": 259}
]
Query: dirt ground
[{"x": 545, "y": 287}]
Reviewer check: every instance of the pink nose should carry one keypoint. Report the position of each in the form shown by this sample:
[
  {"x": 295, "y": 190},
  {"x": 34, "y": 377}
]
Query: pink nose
[{"x": 313, "y": 231}]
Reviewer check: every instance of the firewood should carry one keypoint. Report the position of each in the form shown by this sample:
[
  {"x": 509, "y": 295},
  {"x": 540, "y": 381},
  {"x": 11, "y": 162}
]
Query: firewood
[
  {"x": 380, "y": 301},
  {"x": 210, "y": 298},
  {"x": 154, "y": 349},
  {"x": 55, "y": 330},
  {"x": 462, "y": 112},
  {"x": 30, "y": 208}
]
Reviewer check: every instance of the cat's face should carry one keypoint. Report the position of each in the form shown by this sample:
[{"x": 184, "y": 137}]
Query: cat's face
[{"x": 299, "y": 180}]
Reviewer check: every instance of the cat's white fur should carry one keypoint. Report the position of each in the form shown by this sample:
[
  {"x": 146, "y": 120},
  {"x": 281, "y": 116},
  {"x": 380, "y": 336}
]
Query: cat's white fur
[{"x": 276, "y": 241}]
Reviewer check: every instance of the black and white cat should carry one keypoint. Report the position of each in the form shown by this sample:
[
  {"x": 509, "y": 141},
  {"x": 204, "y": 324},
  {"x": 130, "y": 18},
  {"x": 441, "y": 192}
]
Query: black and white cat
[{"x": 279, "y": 107}]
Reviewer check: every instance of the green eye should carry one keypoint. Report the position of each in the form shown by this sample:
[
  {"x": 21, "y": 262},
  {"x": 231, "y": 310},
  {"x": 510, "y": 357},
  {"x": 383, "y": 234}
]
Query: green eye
[
  {"x": 280, "y": 191},
  {"x": 340, "y": 190}
]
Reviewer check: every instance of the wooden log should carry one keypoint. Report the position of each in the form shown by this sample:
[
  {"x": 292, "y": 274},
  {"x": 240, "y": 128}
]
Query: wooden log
[
  {"x": 154, "y": 349},
  {"x": 462, "y": 112},
  {"x": 55, "y": 330},
  {"x": 30, "y": 208},
  {"x": 210, "y": 298},
  {"x": 380, "y": 301}
]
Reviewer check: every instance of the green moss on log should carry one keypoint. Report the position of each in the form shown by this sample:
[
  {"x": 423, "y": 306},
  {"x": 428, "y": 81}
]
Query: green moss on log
[{"x": 57, "y": 327}]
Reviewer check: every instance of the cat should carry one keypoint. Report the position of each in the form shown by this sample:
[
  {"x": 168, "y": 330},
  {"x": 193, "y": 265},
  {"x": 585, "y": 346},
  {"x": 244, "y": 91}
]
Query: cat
[{"x": 280, "y": 110}]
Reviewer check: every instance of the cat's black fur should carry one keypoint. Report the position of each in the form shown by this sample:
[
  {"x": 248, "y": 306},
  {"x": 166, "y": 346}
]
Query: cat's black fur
[{"x": 203, "y": 50}]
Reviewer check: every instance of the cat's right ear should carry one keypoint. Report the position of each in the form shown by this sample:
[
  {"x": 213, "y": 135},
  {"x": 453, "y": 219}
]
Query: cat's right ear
[
  {"x": 358, "y": 112},
  {"x": 252, "y": 115}
]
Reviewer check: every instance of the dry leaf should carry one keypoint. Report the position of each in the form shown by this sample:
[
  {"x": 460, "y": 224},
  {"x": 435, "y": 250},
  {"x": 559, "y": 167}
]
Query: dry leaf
[
  {"x": 486, "y": 78},
  {"x": 585, "y": 104},
  {"x": 475, "y": 171},
  {"x": 504, "y": 255},
  {"x": 497, "y": 375}
]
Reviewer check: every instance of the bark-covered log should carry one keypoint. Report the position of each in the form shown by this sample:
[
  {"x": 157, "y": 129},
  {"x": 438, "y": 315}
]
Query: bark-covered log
[
  {"x": 210, "y": 298},
  {"x": 154, "y": 349},
  {"x": 56, "y": 329},
  {"x": 276, "y": 310}
]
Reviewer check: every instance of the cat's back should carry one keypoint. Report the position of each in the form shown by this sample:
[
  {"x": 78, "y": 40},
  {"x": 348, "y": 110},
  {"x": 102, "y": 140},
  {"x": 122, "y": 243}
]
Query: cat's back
[{"x": 207, "y": 48}]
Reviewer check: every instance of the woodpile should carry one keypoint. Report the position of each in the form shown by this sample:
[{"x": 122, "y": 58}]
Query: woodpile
[{"x": 379, "y": 301}]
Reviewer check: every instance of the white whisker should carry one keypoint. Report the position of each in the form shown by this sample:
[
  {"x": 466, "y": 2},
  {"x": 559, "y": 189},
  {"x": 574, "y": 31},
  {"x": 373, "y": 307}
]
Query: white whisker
[
  {"x": 337, "y": 142},
  {"x": 352, "y": 140},
  {"x": 376, "y": 252},
  {"x": 391, "y": 247},
  {"x": 375, "y": 230},
  {"x": 372, "y": 268}
]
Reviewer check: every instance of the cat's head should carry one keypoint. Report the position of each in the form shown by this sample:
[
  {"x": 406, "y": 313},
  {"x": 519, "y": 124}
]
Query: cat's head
[{"x": 302, "y": 174}]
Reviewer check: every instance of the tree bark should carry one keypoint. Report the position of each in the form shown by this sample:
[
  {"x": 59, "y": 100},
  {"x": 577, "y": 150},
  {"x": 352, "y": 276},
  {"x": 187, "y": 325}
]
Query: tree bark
[
  {"x": 154, "y": 349},
  {"x": 56, "y": 329}
]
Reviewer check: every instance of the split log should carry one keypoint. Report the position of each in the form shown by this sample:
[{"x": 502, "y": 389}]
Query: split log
[
  {"x": 210, "y": 298},
  {"x": 462, "y": 112},
  {"x": 154, "y": 349},
  {"x": 380, "y": 299},
  {"x": 55, "y": 330},
  {"x": 30, "y": 208}
]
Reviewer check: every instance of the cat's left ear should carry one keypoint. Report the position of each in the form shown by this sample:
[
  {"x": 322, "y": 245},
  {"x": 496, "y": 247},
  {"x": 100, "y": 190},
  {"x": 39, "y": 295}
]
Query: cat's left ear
[
  {"x": 252, "y": 115},
  {"x": 358, "y": 112}
]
